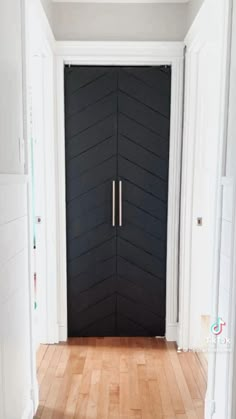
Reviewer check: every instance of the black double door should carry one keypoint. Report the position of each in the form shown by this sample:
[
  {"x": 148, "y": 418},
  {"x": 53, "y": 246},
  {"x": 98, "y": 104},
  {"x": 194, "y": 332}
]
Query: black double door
[{"x": 117, "y": 153}]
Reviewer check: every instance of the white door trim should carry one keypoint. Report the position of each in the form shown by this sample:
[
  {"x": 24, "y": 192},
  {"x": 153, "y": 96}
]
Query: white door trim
[
  {"x": 41, "y": 45},
  {"x": 124, "y": 53},
  {"x": 198, "y": 35}
]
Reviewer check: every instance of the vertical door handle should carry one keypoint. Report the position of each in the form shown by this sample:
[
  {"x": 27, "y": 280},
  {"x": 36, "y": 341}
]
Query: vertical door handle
[
  {"x": 120, "y": 204},
  {"x": 113, "y": 203}
]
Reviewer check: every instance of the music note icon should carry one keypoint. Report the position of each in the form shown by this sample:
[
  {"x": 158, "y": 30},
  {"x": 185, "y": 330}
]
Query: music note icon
[{"x": 217, "y": 327}]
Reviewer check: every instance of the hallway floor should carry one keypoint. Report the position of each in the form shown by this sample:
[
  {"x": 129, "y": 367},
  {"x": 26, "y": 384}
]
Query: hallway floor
[{"x": 125, "y": 378}]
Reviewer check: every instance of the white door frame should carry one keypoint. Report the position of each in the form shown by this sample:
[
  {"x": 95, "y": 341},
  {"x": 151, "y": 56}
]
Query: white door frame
[
  {"x": 125, "y": 53},
  {"x": 199, "y": 35},
  {"x": 41, "y": 44}
]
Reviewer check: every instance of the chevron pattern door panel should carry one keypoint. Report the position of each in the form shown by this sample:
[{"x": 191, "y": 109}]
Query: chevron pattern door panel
[
  {"x": 143, "y": 148},
  {"x": 117, "y": 128},
  {"x": 91, "y": 166}
]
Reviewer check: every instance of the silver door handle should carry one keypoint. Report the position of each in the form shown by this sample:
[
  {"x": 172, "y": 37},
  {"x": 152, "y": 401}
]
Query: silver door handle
[
  {"x": 120, "y": 203},
  {"x": 113, "y": 203}
]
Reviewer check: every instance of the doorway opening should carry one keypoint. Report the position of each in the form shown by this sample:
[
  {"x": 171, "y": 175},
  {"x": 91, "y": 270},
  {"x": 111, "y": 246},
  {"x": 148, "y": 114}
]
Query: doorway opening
[
  {"x": 171, "y": 71},
  {"x": 117, "y": 130}
]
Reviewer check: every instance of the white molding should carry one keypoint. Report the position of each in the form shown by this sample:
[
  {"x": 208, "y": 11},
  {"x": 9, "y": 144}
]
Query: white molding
[
  {"x": 201, "y": 33},
  {"x": 227, "y": 180},
  {"x": 211, "y": 24},
  {"x": 122, "y": 1},
  {"x": 33, "y": 403},
  {"x": 231, "y": 408},
  {"x": 186, "y": 202},
  {"x": 61, "y": 204},
  {"x": 125, "y": 53},
  {"x": 173, "y": 225},
  {"x": 29, "y": 411},
  {"x": 62, "y": 332},
  {"x": 41, "y": 19},
  {"x": 194, "y": 35},
  {"x": 48, "y": 141},
  {"x": 172, "y": 332},
  {"x": 119, "y": 53},
  {"x": 42, "y": 45},
  {"x": 224, "y": 12}
]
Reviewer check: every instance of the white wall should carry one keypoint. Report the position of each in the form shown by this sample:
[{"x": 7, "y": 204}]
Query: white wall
[
  {"x": 16, "y": 373},
  {"x": 201, "y": 171},
  {"x": 224, "y": 368},
  {"x": 192, "y": 10},
  {"x": 204, "y": 138},
  {"x": 119, "y": 22},
  {"x": 47, "y": 5},
  {"x": 94, "y": 21},
  {"x": 205, "y": 186},
  {"x": 231, "y": 167},
  {"x": 231, "y": 143},
  {"x": 41, "y": 81},
  {"x": 15, "y": 355},
  {"x": 11, "y": 127}
]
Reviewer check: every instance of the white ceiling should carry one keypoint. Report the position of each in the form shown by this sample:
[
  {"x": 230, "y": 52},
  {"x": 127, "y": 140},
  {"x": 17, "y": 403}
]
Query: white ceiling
[{"x": 121, "y": 1}]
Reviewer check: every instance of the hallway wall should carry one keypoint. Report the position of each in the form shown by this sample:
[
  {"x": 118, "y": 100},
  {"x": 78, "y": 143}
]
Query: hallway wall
[
  {"x": 119, "y": 22},
  {"x": 41, "y": 80},
  {"x": 103, "y": 21},
  {"x": 15, "y": 336},
  {"x": 15, "y": 369},
  {"x": 227, "y": 288},
  {"x": 11, "y": 125},
  {"x": 193, "y": 8},
  {"x": 47, "y": 5}
]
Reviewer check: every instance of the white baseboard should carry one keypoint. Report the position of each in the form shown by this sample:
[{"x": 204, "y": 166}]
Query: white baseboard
[
  {"x": 172, "y": 332},
  {"x": 209, "y": 408},
  {"x": 29, "y": 411},
  {"x": 35, "y": 395},
  {"x": 62, "y": 333}
]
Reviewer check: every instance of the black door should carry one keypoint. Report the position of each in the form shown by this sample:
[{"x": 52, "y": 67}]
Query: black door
[{"x": 117, "y": 129}]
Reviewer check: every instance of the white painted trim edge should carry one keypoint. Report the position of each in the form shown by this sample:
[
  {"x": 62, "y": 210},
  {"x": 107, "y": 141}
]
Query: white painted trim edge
[
  {"x": 63, "y": 334},
  {"x": 33, "y": 403},
  {"x": 43, "y": 44},
  {"x": 174, "y": 189},
  {"x": 29, "y": 411},
  {"x": 61, "y": 203},
  {"x": 125, "y": 53},
  {"x": 44, "y": 23},
  {"x": 232, "y": 361},
  {"x": 172, "y": 332},
  {"x": 115, "y": 52},
  {"x": 195, "y": 39},
  {"x": 122, "y": 1},
  {"x": 193, "y": 33}
]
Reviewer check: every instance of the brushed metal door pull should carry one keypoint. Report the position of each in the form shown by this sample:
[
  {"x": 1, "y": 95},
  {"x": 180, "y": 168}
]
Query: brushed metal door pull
[
  {"x": 120, "y": 204},
  {"x": 113, "y": 203}
]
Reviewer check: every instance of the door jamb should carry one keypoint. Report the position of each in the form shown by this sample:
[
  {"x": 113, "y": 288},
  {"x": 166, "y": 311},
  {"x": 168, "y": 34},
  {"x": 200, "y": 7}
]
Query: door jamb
[
  {"x": 195, "y": 39},
  {"x": 41, "y": 43},
  {"x": 124, "y": 53}
]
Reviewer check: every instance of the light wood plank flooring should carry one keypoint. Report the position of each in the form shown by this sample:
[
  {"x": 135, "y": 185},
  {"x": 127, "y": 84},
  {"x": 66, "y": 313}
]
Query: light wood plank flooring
[{"x": 123, "y": 378}]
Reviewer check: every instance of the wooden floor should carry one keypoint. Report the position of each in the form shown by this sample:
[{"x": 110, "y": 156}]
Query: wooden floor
[{"x": 122, "y": 378}]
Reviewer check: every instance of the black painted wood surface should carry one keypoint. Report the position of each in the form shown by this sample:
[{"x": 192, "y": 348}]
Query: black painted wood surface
[{"x": 117, "y": 123}]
